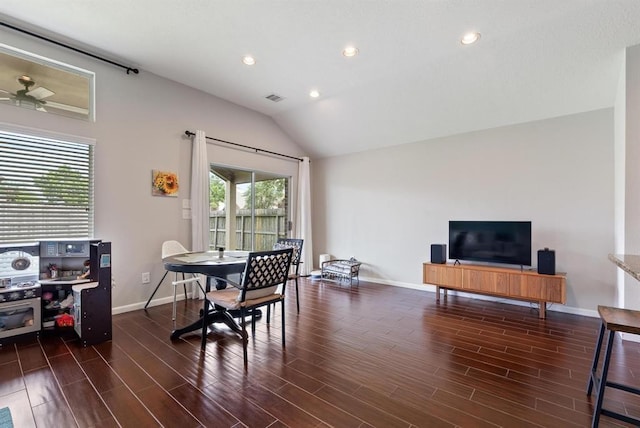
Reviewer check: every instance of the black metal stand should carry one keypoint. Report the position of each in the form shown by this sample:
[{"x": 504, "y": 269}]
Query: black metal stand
[{"x": 214, "y": 315}]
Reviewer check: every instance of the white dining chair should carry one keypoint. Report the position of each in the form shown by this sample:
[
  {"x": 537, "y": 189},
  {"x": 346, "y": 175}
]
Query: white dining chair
[{"x": 171, "y": 248}]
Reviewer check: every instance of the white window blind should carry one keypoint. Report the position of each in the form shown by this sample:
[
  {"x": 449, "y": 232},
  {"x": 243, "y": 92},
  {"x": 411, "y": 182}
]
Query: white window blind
[{"x": 46, "y": 188}]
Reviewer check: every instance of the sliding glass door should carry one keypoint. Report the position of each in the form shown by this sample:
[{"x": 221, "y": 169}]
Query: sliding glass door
[{"x": 249, "y": 210}]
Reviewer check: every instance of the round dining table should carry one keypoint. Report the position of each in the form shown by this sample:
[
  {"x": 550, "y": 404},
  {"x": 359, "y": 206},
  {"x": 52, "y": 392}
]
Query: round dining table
[{"x": 216, "y": 269}]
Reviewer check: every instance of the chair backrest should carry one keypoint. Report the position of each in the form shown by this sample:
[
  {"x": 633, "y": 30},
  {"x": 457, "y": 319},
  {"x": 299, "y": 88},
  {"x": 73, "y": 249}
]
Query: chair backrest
[
  {"x": 296, "y": 244},
  {"x": 171, "y": 248},
  {"x": 264, "y": 272}
]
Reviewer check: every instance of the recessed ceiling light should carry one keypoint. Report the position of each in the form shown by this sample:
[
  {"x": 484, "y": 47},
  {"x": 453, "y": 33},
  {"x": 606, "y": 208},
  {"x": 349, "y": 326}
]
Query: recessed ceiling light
[
  {"x": 470, "y": 38},
  {"x": 314, "y": 93},
  {"x": 248, "y": 60},
  {"x": 350, "y": 51}
]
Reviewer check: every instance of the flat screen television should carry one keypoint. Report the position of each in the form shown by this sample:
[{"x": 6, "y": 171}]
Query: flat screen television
[{"x": 507, "y": 242}]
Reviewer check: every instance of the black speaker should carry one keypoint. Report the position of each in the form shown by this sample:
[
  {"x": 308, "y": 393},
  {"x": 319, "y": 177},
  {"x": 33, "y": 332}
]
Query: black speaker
[
  {"x": 439, "y": 253},
  {"x": 547, "y": 262}
]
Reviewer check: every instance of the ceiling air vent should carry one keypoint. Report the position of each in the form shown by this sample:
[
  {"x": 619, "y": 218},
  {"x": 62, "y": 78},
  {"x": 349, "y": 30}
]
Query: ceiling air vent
[{"x": 275, "y": 98}]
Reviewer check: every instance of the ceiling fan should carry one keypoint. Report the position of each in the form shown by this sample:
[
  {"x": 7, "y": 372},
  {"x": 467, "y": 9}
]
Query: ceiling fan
[
  {"x": 27, "y": 97},
  {"x": 35, "y": 98}
]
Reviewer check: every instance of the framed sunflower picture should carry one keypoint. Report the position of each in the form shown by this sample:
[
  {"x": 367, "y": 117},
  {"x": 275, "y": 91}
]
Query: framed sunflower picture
[{"x": 164, "y": 183}]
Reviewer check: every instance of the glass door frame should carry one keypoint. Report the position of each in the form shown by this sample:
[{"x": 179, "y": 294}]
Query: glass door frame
[{"x": 232, "y": 177}]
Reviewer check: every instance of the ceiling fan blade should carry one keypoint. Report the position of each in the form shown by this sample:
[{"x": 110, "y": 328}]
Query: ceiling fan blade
[
  {"x": 67, "y": 107},
  {"x": 40, "y": 93}
]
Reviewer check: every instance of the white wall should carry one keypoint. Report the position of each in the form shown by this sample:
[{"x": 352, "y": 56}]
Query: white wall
[
  {"x": 632, "y": 172},
  {"x": 386, "y": 207},
  {"x": 140, "y": 124},
  {"x": 620, "y": 170}
]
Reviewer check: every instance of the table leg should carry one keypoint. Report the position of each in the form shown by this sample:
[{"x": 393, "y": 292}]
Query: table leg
[{"x": 543, "y": 310}]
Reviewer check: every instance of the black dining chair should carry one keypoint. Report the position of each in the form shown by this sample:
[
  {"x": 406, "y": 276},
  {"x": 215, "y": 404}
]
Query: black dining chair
[
  {"x": 263, "y": 283},
  {"x": 294, "y": 273}
]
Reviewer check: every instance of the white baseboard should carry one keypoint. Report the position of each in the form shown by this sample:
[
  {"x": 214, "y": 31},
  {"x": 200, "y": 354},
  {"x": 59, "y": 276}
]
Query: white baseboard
[
  {"x": 140, "y": 305},
  {"x": 630, "y": 337},
  {"x": 432, "y": 288}
]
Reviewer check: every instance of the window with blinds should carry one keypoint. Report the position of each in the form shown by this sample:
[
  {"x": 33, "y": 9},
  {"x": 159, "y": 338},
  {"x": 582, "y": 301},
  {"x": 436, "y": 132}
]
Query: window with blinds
[{"x": 46, "y": 188}]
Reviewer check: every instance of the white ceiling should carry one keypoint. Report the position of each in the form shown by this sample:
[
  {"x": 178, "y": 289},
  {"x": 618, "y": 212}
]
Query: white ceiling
[{"x": 413, "y": 80}]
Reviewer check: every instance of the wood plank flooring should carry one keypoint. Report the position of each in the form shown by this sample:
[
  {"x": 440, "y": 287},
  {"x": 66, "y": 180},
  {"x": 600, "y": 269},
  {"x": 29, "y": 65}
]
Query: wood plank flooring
[{"x": 367, "y": 356}]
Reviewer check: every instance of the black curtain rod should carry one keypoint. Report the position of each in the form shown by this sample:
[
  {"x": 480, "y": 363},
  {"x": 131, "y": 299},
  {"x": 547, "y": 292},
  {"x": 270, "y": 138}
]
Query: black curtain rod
[
  {"x": 190, "y": 134},
  {"x": 128, "y": 69}
]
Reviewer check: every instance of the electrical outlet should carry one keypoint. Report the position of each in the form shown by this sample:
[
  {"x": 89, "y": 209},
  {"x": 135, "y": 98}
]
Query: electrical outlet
[{"x": 146, "y": 277}]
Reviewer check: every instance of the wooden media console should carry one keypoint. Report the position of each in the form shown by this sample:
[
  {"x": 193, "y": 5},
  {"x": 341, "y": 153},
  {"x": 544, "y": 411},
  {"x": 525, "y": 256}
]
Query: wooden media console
[{"x": 496, "y": 281}]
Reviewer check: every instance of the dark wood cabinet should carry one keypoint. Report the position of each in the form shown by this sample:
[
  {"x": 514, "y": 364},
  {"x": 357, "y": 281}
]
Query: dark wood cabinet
[
  {"x": 92, "y": 301},
  {"x": 85, "y": 306}
]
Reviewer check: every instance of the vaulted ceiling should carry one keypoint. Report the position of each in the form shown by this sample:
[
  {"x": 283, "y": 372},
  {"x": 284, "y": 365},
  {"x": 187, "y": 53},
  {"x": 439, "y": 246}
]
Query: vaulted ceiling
[{"x": 412, "y": 79}]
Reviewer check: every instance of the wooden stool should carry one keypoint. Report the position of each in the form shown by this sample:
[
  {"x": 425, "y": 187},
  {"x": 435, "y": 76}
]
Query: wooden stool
[{"x": 613, "y": 319}]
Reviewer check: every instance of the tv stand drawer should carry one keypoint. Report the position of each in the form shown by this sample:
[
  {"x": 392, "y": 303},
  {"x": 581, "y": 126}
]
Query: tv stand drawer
[
  {"x": 438, "y": 274},
  {"x": 486, "y": 281}
]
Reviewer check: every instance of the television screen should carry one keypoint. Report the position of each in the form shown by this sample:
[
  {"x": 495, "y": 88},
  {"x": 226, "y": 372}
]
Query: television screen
[{"x": 507, "y": 242}]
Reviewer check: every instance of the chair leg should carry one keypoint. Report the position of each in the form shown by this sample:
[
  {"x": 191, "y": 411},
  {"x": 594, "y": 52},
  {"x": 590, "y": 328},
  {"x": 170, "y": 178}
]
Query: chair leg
[
  {"x": 603, "y": 380},
  {"x": 194, "y": 290},
  {"x": 297, "y": 296},
  {"x": 173, "y": 311},
  {"x": 253, "y": 323},
  {"x": 283, "y": 332},
  {"x": 596, "y": 359},
  {"x": 268, "y": 313},
  {"x": 156, "y": 289},
  {"x": 199, "y": 286},
  {"x": 245, "y": 339}
]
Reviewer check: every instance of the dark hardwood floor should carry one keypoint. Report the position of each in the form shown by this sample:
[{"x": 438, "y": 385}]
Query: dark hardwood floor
[{"x": 367, "y": 356}]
